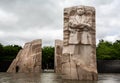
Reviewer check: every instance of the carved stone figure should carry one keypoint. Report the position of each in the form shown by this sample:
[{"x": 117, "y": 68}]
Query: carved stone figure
[
  {"x": 28, "y": 59},
  {"x": 58, "y": 55},
  {"x": 79, "y": 52}
]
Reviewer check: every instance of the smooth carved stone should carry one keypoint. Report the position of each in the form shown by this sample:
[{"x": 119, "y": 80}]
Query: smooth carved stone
[
  {"x": 28, "y": 59},
  {"x": 79, "y": 46},
  {"x": 58, "y": 55}
]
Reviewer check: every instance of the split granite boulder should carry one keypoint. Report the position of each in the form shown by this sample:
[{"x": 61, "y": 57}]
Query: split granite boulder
[
  {"x": 58, "y": 56},
  {"x": 28, "y": 58}
]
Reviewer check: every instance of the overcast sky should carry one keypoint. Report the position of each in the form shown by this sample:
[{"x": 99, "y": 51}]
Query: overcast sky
[{"x": 25, "y": 20}]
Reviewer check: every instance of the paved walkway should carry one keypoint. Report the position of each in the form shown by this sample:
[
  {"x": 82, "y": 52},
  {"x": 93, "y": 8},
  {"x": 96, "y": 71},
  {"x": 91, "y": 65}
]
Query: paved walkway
[{"x": 51, "y": 78}]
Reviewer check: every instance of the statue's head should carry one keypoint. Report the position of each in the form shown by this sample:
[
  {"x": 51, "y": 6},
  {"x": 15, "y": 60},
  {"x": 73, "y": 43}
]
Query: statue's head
[{"x": 80, "y": 10}]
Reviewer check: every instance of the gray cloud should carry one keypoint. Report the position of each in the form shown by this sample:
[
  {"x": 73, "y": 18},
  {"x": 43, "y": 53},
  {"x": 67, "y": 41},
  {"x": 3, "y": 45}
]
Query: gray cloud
[
  {"x": 25, "y": 20},
  {"x": 35, "y": 19}
]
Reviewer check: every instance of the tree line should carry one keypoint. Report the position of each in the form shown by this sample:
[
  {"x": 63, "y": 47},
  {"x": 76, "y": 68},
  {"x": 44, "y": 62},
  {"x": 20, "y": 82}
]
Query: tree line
[
  {"x": 105, "y": 50},
  {"x": 48, "y": 57},
  {"x": 8, "y": 52}
]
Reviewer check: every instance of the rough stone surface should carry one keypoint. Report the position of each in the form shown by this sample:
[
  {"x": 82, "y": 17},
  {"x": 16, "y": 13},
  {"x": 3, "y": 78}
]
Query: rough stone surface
[
  {"x": 58, "y": 55},
  {"x": 79, "y": 46},
  {"x": 28, "y": 59}
]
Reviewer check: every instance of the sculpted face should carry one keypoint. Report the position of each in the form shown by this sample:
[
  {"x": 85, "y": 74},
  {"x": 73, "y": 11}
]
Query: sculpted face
[{"x": 80, "y": 10}]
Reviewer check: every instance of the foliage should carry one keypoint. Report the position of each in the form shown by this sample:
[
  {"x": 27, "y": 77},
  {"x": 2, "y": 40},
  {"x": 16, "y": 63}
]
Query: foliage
[
  {"x": 108, "y": 50},
  {"x": 47, "y": 57},
  {"x": 105, "y": 50},
  {"x": 9, "y": 52}
]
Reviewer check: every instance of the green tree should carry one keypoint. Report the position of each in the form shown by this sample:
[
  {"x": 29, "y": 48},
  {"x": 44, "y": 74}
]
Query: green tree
[
  {"x": 108, "y": 51},
  {"x": 104, "y": 50},
  {"x": 48, "y": 57},
  {"x": 116, "y": 46},
  {"x": 9, "y": 52},
  {"x": 1, "y": 49}
]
